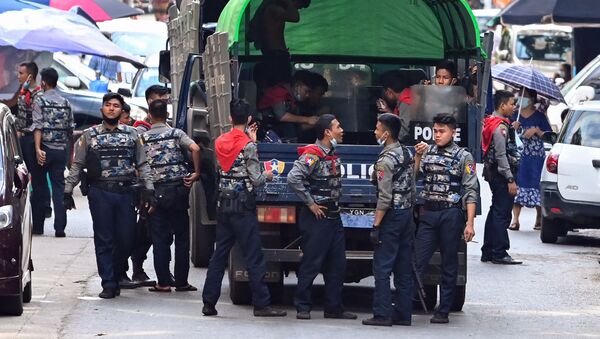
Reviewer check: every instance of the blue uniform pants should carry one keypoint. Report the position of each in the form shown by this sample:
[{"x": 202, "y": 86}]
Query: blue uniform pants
[
  {"x": 441, "y": 229},
  {"x": 164, "y": 224},
  {"x": 113, "y": 218},
  {"x": 54, "y": 167},
  {"x": 40, "y": 195},
  {"x": 495, "y": 239},
  {"x": 243, "y": 228},
  {"x": 394, "y": 255},
  {"x": 323, "y": 250}
]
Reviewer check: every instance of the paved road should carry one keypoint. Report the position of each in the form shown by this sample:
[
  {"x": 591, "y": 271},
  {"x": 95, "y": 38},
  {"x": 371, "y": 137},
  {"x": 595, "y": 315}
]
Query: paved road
[{"x": 554, "y": 294}]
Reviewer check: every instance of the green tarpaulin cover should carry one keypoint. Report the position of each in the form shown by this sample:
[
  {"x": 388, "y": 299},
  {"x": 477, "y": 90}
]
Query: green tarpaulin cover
[{"x": 397, "y": 29}]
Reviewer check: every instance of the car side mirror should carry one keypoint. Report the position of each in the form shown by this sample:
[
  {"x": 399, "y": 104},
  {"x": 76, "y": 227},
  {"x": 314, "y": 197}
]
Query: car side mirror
[
  {"x": 72, "y": 82},
  {"x": 549, "y": 137},
  {"x": 582, "y": 94},
  {"x": 126, "y": 92},
  {"x": 164, "y": 66}
]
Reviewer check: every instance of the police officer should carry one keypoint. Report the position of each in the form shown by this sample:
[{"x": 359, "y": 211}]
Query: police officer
[
  {"x": 501, "y": 160},
  {"x": 111, "y": 153},
  {"x": 449, "y": 184},
  {"x": 165, "y": 147},
  {"x": 393, "y": 229},
  {"x": 316, "y": 179},
  {"x": 40, "y": 195},
  {"x": 239, "y": 174},
  {"x": 53, "y": 128}
]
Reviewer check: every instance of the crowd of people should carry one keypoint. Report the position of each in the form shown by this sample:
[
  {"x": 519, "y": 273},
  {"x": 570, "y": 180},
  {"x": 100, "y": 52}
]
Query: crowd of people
[{"x": 137, "y": 176}]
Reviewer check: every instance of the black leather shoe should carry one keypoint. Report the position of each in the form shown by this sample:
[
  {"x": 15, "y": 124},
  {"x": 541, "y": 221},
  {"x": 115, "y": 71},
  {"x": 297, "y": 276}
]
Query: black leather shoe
[
  {"x": 209, "y": 310},
  {"x": 268, "y": 311},
  {"x": 439, "y": 318},
  {"x": 108, "y": 293},
  {"x": 60, "y": 234},
  {"x": 343, "y": 315},
  {"x": 485, "y": 258},
  {"x": 142, "y": 279},
  {"x": 507, "y": 260},
  {"x": 127, "y": 284},
  {"x": 377, "y": 321},
  {"x": 303, "y": 315}
]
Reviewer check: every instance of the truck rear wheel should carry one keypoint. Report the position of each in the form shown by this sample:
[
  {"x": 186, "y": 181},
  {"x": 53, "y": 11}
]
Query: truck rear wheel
[
  {"x": 202, "y": 236},
  {"x": 430, "y": 296},
  {"x": 551, "y": 229},
  {"x": 459, "y": 298}
]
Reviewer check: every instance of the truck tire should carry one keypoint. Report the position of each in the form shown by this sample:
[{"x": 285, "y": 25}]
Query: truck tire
[
  {"x": 202, "y": 236},
  {"x": 27, "y": 293},
  {"x": 459, "y": 298},
  {"x": 239, "y": 292},
  {"x": 550, "y": 230},
  {"x": 430, "y": 296}
]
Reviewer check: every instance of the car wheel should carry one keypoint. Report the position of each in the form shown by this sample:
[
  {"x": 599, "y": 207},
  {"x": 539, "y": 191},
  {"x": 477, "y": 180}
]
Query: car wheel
[
  {"x": 551, "y": 229},
  {"x": 27, "y": 292}
]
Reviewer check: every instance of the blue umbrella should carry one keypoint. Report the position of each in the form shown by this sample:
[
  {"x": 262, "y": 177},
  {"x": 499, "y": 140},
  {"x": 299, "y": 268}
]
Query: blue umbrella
[
  {"x": 526, "y": 76},
  {"x": 17, "y": 5}
]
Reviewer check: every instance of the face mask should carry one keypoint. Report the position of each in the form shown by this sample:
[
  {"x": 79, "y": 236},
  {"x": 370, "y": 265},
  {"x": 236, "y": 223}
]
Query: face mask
[
  {"x": 381, "y": 141},
  {"x": 110, "y": 121},
  {"x": 333, "y": 142},
  {"x": 26, "y": 85},
  {"x": 298, "y": 97},
  {"x": 524, "y": 102}
]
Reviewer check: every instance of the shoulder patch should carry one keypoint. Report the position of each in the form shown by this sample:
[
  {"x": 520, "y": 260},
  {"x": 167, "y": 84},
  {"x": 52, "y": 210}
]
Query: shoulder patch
[
  {"x": 310, "y": 160},
  {"x": 470, "y": 167}
]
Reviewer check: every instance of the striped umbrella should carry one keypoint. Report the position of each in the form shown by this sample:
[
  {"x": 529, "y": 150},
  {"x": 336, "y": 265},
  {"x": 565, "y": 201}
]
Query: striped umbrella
[
  {"x": 99, "y": 10},
  {"x": 525, "y": 76}
]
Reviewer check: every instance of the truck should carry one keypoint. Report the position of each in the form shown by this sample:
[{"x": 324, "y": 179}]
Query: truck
[{"x": 351, "y": 43}]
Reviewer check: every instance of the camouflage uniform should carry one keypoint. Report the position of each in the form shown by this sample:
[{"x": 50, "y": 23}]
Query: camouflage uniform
[
  {"x": 500, "y": 168},
  {"x": 112, "y": 157},
  {"x": 393, "y": 175},
  {"x": 237, "y": 222},
  {"x": 165, "y": 149},
  {"x": 316, "y": 178},
  {"x": 51, "y": 115},
  {"x": 40, "y": 195},
  {"x": 449, "y": 183}
]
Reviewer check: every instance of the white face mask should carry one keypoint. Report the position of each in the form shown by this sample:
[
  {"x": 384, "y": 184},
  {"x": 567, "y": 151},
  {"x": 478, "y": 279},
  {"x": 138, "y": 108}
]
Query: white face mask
[
  {"x": 333, "y": 142},
  {"x": 381, "y": 141},
  {"x": 524, "y": 102}
]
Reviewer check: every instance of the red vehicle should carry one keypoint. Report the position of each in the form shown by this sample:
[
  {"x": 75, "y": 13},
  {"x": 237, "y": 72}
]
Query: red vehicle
[{"x": 15, "y": 220}]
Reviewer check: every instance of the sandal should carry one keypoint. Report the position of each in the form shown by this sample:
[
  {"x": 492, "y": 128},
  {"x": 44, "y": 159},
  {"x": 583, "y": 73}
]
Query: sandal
[
  {"x": 158, "y": 288},
  {"x": 187, "y": 288},
  {"x": 514, "y": 226},
  {"x": 537, "y": 226}
]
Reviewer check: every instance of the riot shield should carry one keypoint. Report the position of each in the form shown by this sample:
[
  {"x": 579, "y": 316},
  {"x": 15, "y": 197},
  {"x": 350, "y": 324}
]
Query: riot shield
[
  {"x": 427, "y": 102},
  {"x": 217, "y": 75}
]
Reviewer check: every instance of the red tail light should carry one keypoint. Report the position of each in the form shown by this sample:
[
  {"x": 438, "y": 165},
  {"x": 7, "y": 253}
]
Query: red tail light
[
  {"x": 552, "y": 163},
  {"x": 276, "y": 214}
]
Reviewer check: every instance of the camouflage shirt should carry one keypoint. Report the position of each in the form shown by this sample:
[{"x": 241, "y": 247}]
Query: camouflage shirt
[
  {"x": 25, "y": 109},
  {"x": 165, "y": 147},
  {"x": 53, "y": 116},
  {"x": 503, "y": 153},
  {"x": 245, "y": 173},
  {"x": 393, "y": 174},
  {"x": 121, "y": 138}
]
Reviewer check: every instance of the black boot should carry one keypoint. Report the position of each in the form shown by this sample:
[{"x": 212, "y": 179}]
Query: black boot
[
  {"x": 378, "y": 321},
  {"x": 209, "y": 310},
  {"x": 268, "y": 311}
]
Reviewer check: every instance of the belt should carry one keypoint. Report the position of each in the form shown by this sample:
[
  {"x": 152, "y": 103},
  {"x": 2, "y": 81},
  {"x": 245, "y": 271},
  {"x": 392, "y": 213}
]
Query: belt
[
  {"x": 113, "y": 186},
  {"x": 439, "y": 205}
]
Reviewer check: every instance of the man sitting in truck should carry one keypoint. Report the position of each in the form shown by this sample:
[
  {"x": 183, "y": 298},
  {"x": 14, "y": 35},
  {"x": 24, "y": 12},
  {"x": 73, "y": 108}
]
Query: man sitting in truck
[
  {"x": 279, "y": 108},
  {"x": 396, "y": 99}
]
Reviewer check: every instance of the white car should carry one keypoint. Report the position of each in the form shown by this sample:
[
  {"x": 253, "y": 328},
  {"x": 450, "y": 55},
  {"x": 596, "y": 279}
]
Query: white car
[
  {"x": 576, "y": 91},
  {"x": 570, "y": 182}
]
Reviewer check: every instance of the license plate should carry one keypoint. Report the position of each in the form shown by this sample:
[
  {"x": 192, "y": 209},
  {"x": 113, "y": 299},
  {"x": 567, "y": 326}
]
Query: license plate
[{"x": 357, "y": 217}]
